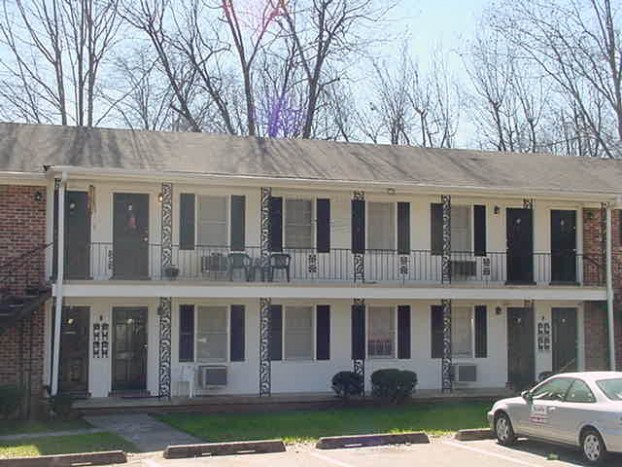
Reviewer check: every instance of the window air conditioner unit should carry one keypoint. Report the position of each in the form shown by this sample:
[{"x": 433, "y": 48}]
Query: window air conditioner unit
[
  {"x": 463, "y": 268},
  {"x": 210, "y": 376},
  {"x": 465, "y": 373}
]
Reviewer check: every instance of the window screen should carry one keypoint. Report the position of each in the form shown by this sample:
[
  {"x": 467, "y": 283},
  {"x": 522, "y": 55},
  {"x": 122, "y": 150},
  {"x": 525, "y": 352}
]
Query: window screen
[
  {"x": 461, "y": 229},
  {"x": 381, "y": 226},
  {"x": 212, "y": 333},
  {"x": 212, "y": 221},
  {"x": 298, "y": 223},
  {"x": 381, "y": 334},
  {"x": 298, "y": 333},
  {"x": 462, "y": 332}
]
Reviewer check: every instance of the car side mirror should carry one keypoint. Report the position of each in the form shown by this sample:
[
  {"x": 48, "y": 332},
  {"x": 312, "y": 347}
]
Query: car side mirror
[{"x": 527, "y": 396}]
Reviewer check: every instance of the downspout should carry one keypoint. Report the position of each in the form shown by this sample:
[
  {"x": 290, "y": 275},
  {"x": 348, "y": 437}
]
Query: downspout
[
  {"x": 609, "y": 275},
  {"x": 60, "y": 274}
]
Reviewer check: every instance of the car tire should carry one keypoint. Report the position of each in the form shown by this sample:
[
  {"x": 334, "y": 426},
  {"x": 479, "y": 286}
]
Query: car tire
[
  {"x": 593, "y": 447},
  {"x": 504, "y": 430}
]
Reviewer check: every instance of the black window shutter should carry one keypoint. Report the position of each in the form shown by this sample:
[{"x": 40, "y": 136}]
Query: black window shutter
[
  {"x": 323, "y": 225},
  {"x": 186, "y": 333},
  {"x": 403, "y": 331},
  {"x": 481, "y": 331},
  {"x": 358, "y": 332},
  {"x": 436, "y": 232},
  {"x": 403, "y": 228},
  {"x": 237, "y": 342},
  {"x": 358, "y": 226},
  {"x": 186, "y": 221},
  {"x": 276, "y": 224},
  {"x": 276, "y": 333},
  {"x": 437, "y": 331},
  {"x": 322, "y": 329},
  {"x": 238, "y": 222},
  {"x": 479, "y": 230}
]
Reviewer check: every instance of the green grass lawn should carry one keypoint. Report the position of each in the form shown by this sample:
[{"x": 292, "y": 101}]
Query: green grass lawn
[
  {"x": 309, "y": 425},
  {"x": 63, "y": 445},
  {"x": 32, "y": 426}
]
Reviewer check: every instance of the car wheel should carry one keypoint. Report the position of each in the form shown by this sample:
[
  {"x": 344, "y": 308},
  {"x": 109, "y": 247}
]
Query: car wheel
[
  {"x": 593, "y": 447},
  {"x": 503, "y": 430}
]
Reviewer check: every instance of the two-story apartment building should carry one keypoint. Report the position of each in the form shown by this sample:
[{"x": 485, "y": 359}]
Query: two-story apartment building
[{"x": 191, "y": 264}]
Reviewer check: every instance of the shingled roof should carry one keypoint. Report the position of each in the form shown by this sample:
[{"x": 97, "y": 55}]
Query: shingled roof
[{"x": 27, "y": 148}]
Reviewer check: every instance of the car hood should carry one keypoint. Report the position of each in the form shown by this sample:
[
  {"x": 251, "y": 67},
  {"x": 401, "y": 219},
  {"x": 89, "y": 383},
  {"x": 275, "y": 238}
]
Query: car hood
[{"x": 509, "y": 401}]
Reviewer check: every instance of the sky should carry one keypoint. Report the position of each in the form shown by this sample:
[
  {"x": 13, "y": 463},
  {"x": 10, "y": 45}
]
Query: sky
[
  {"x": 432, "y": 22},
  {"x": 430, "y": 26}
]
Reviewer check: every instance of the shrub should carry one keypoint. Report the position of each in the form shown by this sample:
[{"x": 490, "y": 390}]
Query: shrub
[
  {"x": 393, "y": 385},
  {"x": 11, "y": 399},
  {"x": 347, "y": 383},
  {"x": 61, "y": 406}
]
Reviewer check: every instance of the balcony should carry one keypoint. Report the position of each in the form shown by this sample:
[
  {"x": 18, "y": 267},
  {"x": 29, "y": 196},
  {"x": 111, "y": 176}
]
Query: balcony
[{"x": 302, "y": 266}]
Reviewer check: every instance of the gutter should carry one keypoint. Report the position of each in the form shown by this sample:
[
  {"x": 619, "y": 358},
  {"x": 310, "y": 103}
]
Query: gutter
[
  {"x": 617, "y": 203},
  {"x": 401, "y": 187},
  {"x": 60, "y": 274}
]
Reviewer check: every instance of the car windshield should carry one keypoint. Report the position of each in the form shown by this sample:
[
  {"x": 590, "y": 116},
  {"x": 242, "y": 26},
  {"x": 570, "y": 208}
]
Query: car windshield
[{"x": 612, "y": 388}]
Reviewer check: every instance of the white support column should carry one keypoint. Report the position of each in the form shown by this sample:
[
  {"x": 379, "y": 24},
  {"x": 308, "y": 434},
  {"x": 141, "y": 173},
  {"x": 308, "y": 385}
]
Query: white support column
[
  {"x": 610, "y": 314},
  {"x": 60, "y": 274}
]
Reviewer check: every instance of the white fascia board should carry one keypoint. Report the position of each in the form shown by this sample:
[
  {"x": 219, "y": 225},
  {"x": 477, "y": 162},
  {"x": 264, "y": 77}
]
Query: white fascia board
[
  {"x": 332, "y": 185},
  {"x": 166, "y": 289},
  {"x": 23, "y": 178}
]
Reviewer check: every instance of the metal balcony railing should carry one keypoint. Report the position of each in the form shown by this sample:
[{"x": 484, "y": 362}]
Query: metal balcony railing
[{"x": 209, "y": 263}]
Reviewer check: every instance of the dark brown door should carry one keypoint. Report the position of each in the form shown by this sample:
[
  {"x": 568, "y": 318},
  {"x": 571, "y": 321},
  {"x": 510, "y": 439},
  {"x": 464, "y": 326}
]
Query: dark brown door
[
  {"x": 129, "y": 349},
  {"x": 77, "y": 235},
  {"x": 563, "y": 246},
  {"x": 564, "y": 339},
  {"x": 131, "y": 236},
  {"x": 73, "y": 375},
  {"x": 519, "y": 225},
  {"x": 521, "y": 352}
]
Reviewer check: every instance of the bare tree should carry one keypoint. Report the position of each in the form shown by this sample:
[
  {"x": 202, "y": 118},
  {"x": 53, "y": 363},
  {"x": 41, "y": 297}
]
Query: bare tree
[
  {"x": 247, "y": 46},
  {"x": 56, "y": 49},
  {"x": 149, "y": 17},
  {"x": 577, "y": 45},
  {"x": 414, "y": 108},
  {"x": 326, "y": 34},
  {"x": 509, "y": 100},
  {"x": 147, "y": 103}
]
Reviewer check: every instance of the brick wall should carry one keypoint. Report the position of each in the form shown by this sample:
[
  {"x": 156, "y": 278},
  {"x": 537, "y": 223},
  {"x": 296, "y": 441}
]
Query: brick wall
[
  {"x": 22, "y": 228},
  {"x": 596, "y": 313},
  {"x": 596, "y": 337}
]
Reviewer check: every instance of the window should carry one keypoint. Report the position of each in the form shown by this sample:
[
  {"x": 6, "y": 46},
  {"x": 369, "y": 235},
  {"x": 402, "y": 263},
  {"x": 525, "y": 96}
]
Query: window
[
  {"x": 553, "y": 390},
  {"x": 580, "y": 392},
  {"x": 461, "y": 229},
  {"x": 381, "y": 334},
  {"x": 212, "y": 221},
  {"x": 298, "y": 333},
  {"x": 462, "y": 332},
  {"x": 212, "y": 333},
  {"x": 611, "y": 387},
  {"x": 298, "y": 223},
  {"x": 381, "y": 226}
]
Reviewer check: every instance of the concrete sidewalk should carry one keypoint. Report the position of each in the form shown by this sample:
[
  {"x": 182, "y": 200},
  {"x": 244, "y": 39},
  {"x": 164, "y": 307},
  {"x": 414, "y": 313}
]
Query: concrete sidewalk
[{"x": 147, "y": 433}]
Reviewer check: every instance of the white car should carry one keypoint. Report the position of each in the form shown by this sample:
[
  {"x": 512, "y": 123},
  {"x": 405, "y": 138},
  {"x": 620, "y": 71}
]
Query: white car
[{"x": 575, "y": 409}]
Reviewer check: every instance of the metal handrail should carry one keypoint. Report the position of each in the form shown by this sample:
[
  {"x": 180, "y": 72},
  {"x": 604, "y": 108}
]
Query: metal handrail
[
  {"x": 25, "y": 254},
  {"x": 12, "y": 268},
  {"x": 307, "y": 264}
]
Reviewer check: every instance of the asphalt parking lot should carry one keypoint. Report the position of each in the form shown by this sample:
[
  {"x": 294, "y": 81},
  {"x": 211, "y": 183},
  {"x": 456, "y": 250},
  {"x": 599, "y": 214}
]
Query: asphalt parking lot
[{"x": 441, "y": 452}]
